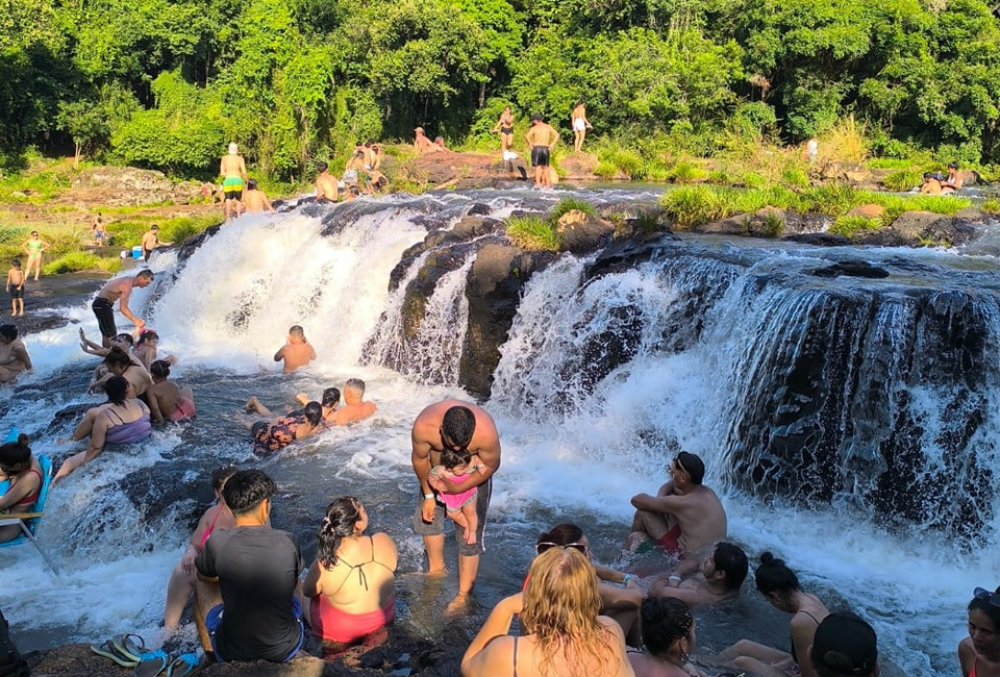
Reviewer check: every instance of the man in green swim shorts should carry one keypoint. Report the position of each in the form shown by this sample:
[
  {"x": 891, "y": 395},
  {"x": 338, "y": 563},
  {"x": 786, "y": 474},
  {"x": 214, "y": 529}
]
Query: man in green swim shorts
[{"x": 234, "y": 174}]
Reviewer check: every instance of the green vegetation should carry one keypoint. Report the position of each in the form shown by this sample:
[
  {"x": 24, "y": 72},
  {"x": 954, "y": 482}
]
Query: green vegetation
[
  {"x": 568, "y": 204},
  {"x": 166, "y": 84},
  {"x": 76, "y": 261},
  {"x": 532, "y": 233},
  {"x": 849, "y": 225}
]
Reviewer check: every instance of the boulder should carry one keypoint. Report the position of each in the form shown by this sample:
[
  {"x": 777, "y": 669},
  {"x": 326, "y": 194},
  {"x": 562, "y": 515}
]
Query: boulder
[
  {"x": 580, "y": 232},
  {"x": 469, "y": 227},
  {"x": 819, "y": 239},
  {"x": 852, "y": 269},
  {"x": 128, "y": 186},
  {"x": 734, "y": 225},
  {"x": 920, "y": 228},
  {"x": 579, "y": 166}
]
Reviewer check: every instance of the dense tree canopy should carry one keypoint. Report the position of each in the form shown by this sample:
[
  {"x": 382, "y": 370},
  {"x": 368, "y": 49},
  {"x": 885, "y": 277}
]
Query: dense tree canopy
[{"x": 167, "y": 83}]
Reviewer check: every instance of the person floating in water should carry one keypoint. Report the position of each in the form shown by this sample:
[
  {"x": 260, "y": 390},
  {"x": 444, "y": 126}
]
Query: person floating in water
[
  {"x": 297, "y": 351},
  {"x": 272, "y": 436}
]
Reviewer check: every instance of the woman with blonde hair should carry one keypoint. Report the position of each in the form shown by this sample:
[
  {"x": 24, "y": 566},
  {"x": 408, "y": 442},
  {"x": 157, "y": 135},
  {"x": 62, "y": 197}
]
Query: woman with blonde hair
[{"x": 563, "y": 634}]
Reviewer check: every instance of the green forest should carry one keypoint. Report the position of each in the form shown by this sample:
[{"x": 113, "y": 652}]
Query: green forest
[{"x": 165, "y": 84}]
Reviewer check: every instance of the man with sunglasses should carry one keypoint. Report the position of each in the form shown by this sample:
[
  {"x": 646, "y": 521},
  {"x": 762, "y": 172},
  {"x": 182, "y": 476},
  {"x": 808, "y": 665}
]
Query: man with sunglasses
[
  {"x": 460, "y": 426},
  {"x": 684, "y": 517}
]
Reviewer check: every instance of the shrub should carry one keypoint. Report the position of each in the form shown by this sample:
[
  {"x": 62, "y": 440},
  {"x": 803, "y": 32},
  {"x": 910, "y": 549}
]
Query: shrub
[
  {"x": 903, "y": 180},
  {"x": 532, "y": 233},
  {"x": 991, "y": 206},
  {"x": 76, "y": 261},
  {"x": 568, "y": 204},
  {"x": 648, "y": 220},
  {"x": 687, "y": 172},
  {"x": 690, "y": 206},
  {"x": 849, "y": 225},
  {"x": 831, "y": 199}
]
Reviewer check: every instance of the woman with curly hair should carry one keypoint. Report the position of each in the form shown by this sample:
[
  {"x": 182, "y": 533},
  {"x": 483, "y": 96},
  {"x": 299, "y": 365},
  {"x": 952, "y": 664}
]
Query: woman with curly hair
[
  {"x": 563, "y": 634},
  {"x": 351, "y": 585},
  {"x": 668, "y": 635}
]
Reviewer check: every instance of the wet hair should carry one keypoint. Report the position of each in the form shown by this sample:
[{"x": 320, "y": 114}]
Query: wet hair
[
  {"x": 296, "y": 330},
  {"x": 732, "y": 560},
  {"x": 314, "y": 412},
  {"x": 16, "y": 263},
  {"x": 952, "y": 165},
  {"x": 536, "y": 117},
  {"x": 148, "y": 335},
  {"x": 988, "y": 608},
  {"x": 15, "y": 457},
  {"x": 664, "y": 621},
  {"x": 692, "y": 465},
  {"x": 117, "y": 357},
  {"x": 8, "y": 331},
  {"x": 246, "y": 489},
  {"x": 221, "y": 475},
  {"x": 146, "y": 273},
  {"x": 160, "y": 369},
  {"x": 331, "y": 397},
  {"x": 458, "y": 425},
  {"x": 561, "y": 534},
  {"x": 773, "y": 575},
  {"x": 321, "y": 166},
  {"x": 355, "y": 384},
  {"x": 561, "y": 603},
  {"x": 126, "y": 337},
  {"x": 251, "y": 184},
  {"x": 116, "y": 389},
  {"x": 341, "y": 516},
  {"x": 451, "y": 458}
]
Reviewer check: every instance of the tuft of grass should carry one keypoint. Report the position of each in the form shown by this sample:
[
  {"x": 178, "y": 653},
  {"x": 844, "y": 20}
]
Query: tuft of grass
[
  {"x": 691, "y": 206},
  {"x": 845, "y": 142},
  {"x": 754, "y": 180},
  {"x": 796, "y": 177},
  {"x": 849, "y": 225},
  {"x": 903, "y": 180},
  {"x": 568, "y": 204},
  {"x": 832, "y": 199},
  {"x": 991, "y": 206},
  {"x": 687, "y": 172},
  {"x": 648, "y": 221},
  {"x": 532, "y": 233},
  {"x": 77, "y": 261},
  {"x": 624, "y": 161}
]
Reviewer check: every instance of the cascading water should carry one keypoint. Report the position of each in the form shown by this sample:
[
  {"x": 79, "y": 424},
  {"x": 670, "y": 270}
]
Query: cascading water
[{"x": 837, "y": 417}]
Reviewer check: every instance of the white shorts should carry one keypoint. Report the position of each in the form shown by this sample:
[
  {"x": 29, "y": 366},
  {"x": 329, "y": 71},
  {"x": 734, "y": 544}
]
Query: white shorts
[{"x": 579, "y": 125}]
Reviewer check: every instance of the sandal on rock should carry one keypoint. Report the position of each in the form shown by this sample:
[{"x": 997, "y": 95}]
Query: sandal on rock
[
  {"x": 130, "y": 646},
  {"x": 151, "y": 664},
  {"x": 183, "y": 665},
  {"x": 108, "y": 651}
]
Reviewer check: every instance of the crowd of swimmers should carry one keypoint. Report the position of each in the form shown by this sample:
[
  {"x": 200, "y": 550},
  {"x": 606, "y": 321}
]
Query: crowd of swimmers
[{"x": 255, "y": 598}]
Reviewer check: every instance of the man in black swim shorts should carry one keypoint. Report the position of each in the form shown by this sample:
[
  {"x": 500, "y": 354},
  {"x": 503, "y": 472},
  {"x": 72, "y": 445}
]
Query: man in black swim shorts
[
  {"x": 541, "y": 138},
  {"x": 119, "y": 289}
]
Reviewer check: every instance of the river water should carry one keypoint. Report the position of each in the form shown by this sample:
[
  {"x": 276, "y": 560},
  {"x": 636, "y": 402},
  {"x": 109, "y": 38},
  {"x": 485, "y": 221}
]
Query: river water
[{"x": 709, "y": 338}]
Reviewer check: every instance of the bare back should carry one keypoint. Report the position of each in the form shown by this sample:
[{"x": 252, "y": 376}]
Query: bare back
[
  {"x": 342, "y": 584},
  {"x": 115, "y": 289},
  {"x": 702, "y": 519},
  {"x": 542, "y": 134},
  {"x": 326, "y": 187},
  {"x": 165, "y": 394},
  {"x": 233, "y": 166}
]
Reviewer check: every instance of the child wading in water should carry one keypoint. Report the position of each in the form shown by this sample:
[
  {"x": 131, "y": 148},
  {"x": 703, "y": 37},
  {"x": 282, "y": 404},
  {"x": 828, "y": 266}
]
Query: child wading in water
[
  {"x": 15, "y": 285},
  {"x": 456, "y": 467}
]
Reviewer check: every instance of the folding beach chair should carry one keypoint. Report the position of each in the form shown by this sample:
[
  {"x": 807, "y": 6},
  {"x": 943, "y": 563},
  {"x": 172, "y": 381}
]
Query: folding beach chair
[{"x": 29, "y": 521}]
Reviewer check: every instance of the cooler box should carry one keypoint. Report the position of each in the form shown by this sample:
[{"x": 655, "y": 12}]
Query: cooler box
[{"x": 137, "y": 252}]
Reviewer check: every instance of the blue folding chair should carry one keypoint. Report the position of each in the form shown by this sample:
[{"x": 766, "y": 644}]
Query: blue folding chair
[{"x": 29, "y": 521}]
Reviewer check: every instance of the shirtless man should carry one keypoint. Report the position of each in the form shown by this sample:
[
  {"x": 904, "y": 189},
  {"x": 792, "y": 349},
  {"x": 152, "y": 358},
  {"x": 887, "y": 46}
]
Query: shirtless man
[
  {"x": 234, "y": 173},
  {"x": 119, "y": 289},
  {"x": 421, "y": 144},
  {"x": 460, "y": 426},
  {"x": 355, "y": 408},
  {"x": 151, "y": 240},
  {"x": 718, "y": 578},
  {"x": 684, "y": 517},
  {"x": 14, "y": 358},
  {"x": 254, "y": 200},
  {"x": 297, "y": 351},
  {"x": 580, "y": 125},
  {"x": 326, "y": 185},
  {"x": 541, "y": 138}
]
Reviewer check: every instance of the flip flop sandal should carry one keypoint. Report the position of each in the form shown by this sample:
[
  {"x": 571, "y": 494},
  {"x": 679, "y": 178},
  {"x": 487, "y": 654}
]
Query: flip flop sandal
[
  {"x": 130, "y": 646},
  {"x": 151, "y": 664},
  {"x": 183, "y": 665},
  {"x": 108, "y": 651}
]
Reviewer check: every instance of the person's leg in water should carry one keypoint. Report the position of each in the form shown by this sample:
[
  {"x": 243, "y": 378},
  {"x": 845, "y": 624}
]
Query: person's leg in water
[{"x": 179, "y": 589}]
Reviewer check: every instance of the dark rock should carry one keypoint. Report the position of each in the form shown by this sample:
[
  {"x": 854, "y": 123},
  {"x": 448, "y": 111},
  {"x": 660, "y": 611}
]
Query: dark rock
[
  {"x": 852, "y": 269},
  {"x": 919, "y": 229},
  {"x": 734, "y": 225},
  {"x": 624, "y": 254},
  {"x": 469, "y": 227},
  {"x": 191, "y": 245},
  {"x": 581, "y": 233},
  {"x": 819, "y": 239},
  {"x": 479, "y": 209}
]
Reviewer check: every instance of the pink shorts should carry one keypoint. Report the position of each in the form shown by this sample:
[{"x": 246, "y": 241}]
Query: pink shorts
[{"x": 184, "y": 411}]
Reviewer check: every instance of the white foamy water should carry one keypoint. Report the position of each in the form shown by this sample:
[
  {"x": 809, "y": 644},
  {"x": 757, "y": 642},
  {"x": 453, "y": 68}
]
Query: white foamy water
[{"x": 577, "y": 443}]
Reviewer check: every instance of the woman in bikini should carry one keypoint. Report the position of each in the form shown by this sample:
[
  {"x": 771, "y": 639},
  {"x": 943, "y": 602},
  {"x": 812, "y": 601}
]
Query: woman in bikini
[
  {"x": 979, "y": 653},
  {"x": 22, "y": 480},
  {"x": 351, "y": 585},
  {"x": 217, "y": 517},
  {"x": 34, "y": 247},
  {"x": 119, "y": 421},
  {"x": 780, "y": 586},
  {"x": 505, "y": 125},
  {"x": 668, "y": 635},
  {"x": 562, "y": 634}
]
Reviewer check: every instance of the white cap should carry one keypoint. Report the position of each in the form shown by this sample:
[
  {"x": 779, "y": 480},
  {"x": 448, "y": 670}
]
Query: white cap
[{"x": 234, "y": 149}]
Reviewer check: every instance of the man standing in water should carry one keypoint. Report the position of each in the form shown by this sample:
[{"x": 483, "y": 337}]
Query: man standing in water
[
  {"x": 119, "y": 289},
  {"x": 541, "y": 138},
  {"x": 684, "y": 517},
  {"x": 459, "y": 426},
  {"x": 234, "y": 173}
]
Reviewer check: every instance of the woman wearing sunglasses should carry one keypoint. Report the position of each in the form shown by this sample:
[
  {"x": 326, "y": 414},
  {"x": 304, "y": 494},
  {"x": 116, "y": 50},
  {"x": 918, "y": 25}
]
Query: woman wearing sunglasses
[
  {"x": 619, "y": 604},
  {"x": 979, "y": 653},
  {"x": 562, "y": 634}
]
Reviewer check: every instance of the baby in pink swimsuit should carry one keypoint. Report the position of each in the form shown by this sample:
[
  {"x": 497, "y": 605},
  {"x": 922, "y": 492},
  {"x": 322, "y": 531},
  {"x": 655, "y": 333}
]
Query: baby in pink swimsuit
[{"x": 456, "y": 467}]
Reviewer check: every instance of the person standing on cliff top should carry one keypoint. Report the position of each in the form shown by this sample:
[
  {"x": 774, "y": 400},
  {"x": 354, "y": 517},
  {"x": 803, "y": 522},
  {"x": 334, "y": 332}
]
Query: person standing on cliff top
[
  {"x": 541, "y": 138},
  {"x": 234, "y": 173},
  {"x": 580, "y": 125},
  {"x": 461, "y": 427}
]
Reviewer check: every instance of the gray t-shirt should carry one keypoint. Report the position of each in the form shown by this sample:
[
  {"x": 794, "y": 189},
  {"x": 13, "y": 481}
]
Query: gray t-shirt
[{"x": 258, "y": 569}]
